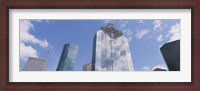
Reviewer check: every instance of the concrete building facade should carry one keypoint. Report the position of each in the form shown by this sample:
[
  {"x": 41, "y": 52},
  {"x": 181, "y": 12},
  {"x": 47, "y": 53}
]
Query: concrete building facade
[
  {"x": 87, "y": 67},
  {"x": 35, "y": 64}
]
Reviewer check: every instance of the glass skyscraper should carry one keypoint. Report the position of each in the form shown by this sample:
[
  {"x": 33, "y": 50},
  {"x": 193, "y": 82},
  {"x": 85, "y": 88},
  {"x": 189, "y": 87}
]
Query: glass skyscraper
[
  {"x": 68, "y": 58},
  {"x": 111, "y": 50}
]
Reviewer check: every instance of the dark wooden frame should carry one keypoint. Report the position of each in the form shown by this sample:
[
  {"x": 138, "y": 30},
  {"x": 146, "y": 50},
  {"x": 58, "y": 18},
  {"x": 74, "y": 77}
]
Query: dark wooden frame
[{"x": 99, "y": 4}]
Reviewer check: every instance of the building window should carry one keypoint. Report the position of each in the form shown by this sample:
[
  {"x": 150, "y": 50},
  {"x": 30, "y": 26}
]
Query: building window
[
  {"x": 112, "y": 35},
  {"x": 123, "y": 53}
]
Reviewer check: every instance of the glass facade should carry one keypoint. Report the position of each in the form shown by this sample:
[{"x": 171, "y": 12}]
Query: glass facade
[
  {"x": 68, "y": 57},
  {"x": 111, "y": 51}
]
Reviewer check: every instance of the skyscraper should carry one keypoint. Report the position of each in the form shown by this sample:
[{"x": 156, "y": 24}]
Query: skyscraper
[
  {"x": 68, "y": 57},
  {"x": 35, "y": 64},
  {"x": 87, "y": 67},
  {"x": 111, "y": 50},
  {"x": 159, "y": 69},
  {"x": 171, "y": 53}
]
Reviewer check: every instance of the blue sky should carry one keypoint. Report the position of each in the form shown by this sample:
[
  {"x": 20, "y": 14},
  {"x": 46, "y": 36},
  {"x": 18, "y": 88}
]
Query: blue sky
[{"x": 45, "y": 39}]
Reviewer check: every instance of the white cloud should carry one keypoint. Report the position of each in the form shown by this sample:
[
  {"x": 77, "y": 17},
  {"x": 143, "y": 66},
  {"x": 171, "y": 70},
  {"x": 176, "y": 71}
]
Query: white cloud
[
  {"x": 128, "y": 33},
  {"x": 107, "y": 21},
  {"x": 129, "y": 38},
  {"x": 174, "y": 32},
  {"x": 48, "y": 21},
  {"x": 26, "y": 37},
  {"x": 123, "y": 23},
  {"x": 27, "y": 51},
  {"x": 25, "y": 27},
  {"x": 160, "y": 38},
  {"x": 140, "y": 21},
  {"x": 145, "y": 68},
  {"x": 166, "y": 25},
  {"x": 161, "y": 66},
  {"x": 157, "y": 25},
  {"x": 40, "y": 21},
  {"x": 142, "y": 33}
]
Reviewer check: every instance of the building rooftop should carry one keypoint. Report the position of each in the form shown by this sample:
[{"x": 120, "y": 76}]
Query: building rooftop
[{"x": 111, "y": 30}]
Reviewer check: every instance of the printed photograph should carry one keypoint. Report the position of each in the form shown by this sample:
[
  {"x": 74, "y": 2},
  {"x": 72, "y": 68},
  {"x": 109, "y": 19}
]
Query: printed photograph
[{"x": 99, "y": 45}]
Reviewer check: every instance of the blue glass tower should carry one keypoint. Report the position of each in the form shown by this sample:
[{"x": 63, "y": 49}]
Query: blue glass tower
[{"x": 68, "y": 57}]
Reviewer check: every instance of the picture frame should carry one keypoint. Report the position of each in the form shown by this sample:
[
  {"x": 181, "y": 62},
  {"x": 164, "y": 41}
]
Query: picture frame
[{"x": 103, "y": 4}]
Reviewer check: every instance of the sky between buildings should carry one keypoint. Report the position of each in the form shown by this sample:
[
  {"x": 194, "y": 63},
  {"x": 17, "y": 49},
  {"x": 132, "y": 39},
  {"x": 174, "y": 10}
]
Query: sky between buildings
[{"x": 46, "y": 38}]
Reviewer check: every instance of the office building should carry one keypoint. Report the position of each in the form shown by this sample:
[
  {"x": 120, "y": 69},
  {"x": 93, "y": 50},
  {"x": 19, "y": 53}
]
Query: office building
[
  {"x": 35, "y": 64},
  {"x": 171, "y": 53},
  {"x": 87, "y": 67},
  {"x": 111, "y": 50},
  {"x": 68, "y": 58},
  {"x": 159, "y": 69}
]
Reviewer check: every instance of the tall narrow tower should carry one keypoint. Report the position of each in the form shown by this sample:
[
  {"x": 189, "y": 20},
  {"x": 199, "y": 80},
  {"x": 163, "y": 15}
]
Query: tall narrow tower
[
  {"x": 111, "y": 50},
  {"x": 68, "y": 57}
]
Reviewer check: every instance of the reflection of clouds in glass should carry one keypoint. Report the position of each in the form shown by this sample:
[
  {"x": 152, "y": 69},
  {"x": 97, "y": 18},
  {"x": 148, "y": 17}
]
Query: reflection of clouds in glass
[
  {"x": 68, "y": 57},
  {"x": 122, "y": 62},
  {"x": 112, "y": 54},
  {"x": 72, "y": 52}
]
